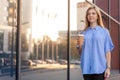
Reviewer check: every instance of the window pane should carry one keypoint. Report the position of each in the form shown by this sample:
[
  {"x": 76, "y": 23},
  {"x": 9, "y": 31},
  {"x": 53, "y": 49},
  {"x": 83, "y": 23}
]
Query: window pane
[
  {"x": 43, "y": 49},
  {"x": 7, "y": 43}
]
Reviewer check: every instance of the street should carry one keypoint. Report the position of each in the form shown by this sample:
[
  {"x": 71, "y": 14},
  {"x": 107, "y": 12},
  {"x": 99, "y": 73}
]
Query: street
[
  {"x": 52, "y": 75},
  {"x": 55, "y": 74}
]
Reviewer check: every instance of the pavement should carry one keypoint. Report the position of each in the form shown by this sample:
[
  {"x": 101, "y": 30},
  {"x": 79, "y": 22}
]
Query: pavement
[{"x": 115, "y": 75}]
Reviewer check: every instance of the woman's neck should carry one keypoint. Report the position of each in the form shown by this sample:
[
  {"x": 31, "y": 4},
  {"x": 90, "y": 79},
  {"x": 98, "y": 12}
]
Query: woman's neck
[{"x": 93, "y": 25}]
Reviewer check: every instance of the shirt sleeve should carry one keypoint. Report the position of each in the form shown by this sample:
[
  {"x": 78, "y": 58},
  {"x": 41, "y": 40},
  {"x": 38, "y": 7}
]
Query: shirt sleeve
[{"x": 108, "y": 43}]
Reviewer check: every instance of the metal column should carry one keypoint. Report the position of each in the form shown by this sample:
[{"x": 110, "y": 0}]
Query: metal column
[
  {"x": 68, "y": 43},
  {"x": 18, "y": 40},
  {"x": 109, "y": 12}
]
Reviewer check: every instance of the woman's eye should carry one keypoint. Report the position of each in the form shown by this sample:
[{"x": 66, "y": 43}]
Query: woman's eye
[{"x": 92, "y": 13}]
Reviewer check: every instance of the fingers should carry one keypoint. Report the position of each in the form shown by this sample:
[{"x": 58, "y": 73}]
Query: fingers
[
  {"x": 80, "y": 41},
  {"x": 107, "y": 74}
]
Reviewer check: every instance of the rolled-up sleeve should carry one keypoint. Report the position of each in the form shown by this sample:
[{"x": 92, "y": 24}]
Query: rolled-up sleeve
[{"x": 108, "y": 43}]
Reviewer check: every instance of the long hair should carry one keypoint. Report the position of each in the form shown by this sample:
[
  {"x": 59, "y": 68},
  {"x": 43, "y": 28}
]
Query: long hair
[{"x": 99, "y": 20}]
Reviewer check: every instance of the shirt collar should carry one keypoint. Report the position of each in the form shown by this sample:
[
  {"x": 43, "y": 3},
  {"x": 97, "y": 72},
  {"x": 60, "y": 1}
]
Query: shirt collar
[{"x": 95, "y": 28}]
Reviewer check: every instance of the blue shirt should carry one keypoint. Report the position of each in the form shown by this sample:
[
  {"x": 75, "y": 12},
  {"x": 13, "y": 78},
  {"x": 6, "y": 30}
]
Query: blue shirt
[{"x": 97, "y": 42}]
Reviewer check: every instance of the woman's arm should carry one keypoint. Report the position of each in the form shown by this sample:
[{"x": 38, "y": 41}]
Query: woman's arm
[{"x": 108, "y": 58}]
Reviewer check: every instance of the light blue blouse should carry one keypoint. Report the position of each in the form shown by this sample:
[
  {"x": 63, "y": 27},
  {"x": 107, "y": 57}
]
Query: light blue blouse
[{"x": 97, "y": 42}]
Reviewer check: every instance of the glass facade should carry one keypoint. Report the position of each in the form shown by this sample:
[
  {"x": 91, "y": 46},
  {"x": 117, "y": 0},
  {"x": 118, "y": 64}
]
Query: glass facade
[
  {"x": 7, "y": 43},
  {"x": 43, "y": 39},
  {"x": 42, "y": 53},
  {"x": 11, "y": 41}
]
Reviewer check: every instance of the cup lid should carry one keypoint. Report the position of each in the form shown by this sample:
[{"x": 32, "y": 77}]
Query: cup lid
[{"x": 80, "y": 34}]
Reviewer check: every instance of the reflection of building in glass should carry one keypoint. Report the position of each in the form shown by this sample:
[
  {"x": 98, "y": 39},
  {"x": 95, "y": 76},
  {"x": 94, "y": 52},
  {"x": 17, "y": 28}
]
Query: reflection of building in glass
[
  {"x": 63, "y": 44},
  {"x": 81, "y": 12},
  {"x": 4, "y": 39},
  {"x": 26, "y": 29},
  {"x": 8, "y": 21},
  {"x": 3, "y": 26},
  {"x": 1, "y": 40},
  {"x": 12, "y": 13},
  {"x": 10, "y": 44},
  {"x": 63, "y": 34},
  {"x": 3, "y": 12}
]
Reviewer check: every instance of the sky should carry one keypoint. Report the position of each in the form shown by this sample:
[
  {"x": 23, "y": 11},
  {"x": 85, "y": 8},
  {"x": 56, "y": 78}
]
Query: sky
[{"x": 50, "y": 16}]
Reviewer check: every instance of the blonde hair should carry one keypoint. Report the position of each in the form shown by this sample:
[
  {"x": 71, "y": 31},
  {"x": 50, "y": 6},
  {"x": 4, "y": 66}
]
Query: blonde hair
[{"x": 99, "y": 21}]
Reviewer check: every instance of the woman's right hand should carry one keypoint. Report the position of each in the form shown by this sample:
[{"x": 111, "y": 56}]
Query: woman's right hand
[{"x": 80, "y": 40}]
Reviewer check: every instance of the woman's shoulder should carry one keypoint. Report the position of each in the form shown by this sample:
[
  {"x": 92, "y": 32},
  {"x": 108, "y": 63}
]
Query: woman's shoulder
[{"x": 105, "y": 30}]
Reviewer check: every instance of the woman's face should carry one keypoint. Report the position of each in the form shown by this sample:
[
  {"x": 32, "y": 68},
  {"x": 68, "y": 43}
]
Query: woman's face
[{"x": 92, "y": 16}]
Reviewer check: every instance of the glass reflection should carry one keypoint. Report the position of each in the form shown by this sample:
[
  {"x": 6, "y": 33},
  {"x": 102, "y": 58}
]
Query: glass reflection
[{"x": 44, "y": 51}]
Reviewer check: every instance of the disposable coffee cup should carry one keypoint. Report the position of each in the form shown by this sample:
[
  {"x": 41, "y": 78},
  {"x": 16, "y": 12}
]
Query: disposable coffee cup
[{"x": 81, "y": 37}]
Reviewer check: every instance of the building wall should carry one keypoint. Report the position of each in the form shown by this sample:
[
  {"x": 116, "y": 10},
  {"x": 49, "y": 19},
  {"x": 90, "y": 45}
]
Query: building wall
[
  {"x": 27, "y": 12},
  {"x": 112, "y": 26},
  {"x": 81, "y": 12},
  {"x": 27, "y": 25},
  {"x": 6, "y": 28},
  {"x": 3, "y": 12},
  {"x": 64, "y": 34},
  {"x": 3, "y": 24}
]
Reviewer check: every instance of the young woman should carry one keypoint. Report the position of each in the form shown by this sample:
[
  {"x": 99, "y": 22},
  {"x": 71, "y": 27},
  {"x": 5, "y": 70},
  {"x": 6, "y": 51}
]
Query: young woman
[{"x": 95, "y": 48}]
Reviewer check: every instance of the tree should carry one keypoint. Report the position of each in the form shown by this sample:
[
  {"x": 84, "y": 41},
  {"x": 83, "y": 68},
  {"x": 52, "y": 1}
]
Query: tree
[{"x": 74, "y": 53}]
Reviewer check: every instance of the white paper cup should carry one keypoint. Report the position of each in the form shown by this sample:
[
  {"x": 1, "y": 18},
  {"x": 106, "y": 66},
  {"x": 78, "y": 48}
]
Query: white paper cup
[
  {"x": 81, "y": 38},
  {"x": 80, "y": 35}
]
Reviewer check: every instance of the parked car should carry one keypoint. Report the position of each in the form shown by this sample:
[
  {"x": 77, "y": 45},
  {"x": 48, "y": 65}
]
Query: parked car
[
  {"x": 39, "y": 61},
  {"x": 76, "y": 62},
  {"x": 28, "y": 62},
  {"x": 62, "y": 61},
  {"x": 1, "y": 62},
  {"x": 50, "y": 61},
  {"x": 32, "y": 63},
  {"x": 7, "y": 62}
]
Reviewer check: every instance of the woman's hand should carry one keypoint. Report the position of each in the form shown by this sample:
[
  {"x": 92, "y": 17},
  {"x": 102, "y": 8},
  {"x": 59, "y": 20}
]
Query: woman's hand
[
  {"x": 80, "y": 41},
  {"x": 107, "y": 73}
]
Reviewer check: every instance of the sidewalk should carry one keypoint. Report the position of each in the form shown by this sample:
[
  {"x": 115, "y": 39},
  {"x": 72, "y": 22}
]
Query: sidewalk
[{"x": 115, "y": 75}]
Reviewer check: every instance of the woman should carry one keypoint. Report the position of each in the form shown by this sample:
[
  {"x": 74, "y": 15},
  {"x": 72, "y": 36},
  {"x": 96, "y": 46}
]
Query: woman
[{"x": 95, "y": 48}]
